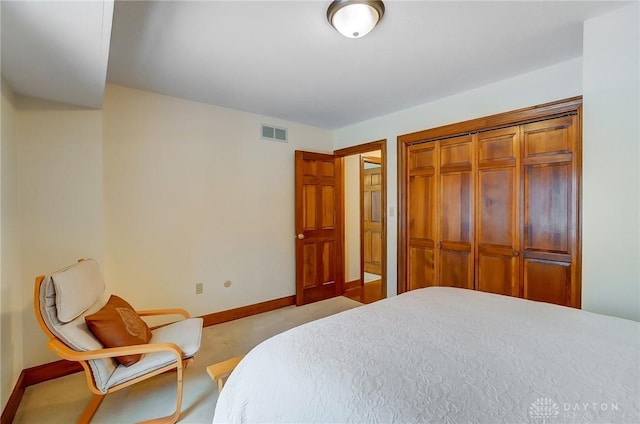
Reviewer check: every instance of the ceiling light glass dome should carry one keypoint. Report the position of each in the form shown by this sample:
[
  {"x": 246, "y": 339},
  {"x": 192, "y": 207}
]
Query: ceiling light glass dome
[{"x": 355, "y": 19}]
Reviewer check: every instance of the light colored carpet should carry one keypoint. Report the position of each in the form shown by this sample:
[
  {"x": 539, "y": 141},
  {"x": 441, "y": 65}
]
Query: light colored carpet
[
  {"x": 63, "y": 400},
  {"x": 368, "y": 277}
]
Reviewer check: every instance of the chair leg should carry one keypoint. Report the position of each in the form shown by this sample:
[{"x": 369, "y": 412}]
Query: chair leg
[
  {"x": 171, "y": 419},
  {"x": 91, "y": 409}
]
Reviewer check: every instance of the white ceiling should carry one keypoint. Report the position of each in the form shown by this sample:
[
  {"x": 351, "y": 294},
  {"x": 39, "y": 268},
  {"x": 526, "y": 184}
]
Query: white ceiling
[
  {"x": 283, "y": 59},
  {"x": 56, "y": 50}
]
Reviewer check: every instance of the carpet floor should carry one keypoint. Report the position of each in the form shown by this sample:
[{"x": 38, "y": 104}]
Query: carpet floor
[{"x": 63, "y": 400}]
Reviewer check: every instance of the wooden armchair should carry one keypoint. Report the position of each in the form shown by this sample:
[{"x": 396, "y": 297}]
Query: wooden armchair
[{"x": 63, "y": 299}]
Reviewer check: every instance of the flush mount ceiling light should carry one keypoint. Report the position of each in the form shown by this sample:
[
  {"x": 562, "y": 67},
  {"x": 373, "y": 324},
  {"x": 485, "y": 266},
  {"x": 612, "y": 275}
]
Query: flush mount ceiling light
[{"x": 354, "y": 18}]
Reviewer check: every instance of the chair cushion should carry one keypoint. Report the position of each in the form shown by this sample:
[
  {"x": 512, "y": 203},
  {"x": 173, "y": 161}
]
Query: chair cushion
[
  {"x": 77, "y": 288},
  {"x": 75, "y": 333},
  {"x": 117, "y": 324},
  {"x": 185, "y": 333}
]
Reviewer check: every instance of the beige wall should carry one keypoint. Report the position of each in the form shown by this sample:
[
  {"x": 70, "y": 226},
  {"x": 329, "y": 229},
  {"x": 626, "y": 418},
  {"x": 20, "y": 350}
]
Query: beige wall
[
  {"x": 352, "y": 217},
  {"x": 192, "y": 194},
  {"x": 611, "y": 163},
  {"x": 60, "y": 186},
  {"x": 11, "y": 358}
]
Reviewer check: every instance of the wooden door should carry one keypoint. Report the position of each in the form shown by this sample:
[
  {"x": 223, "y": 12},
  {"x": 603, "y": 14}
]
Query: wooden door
[
  {"x": 422, "y": 215},
  {"x": 456, "y": 193},
  {"x": 318, "y": 190},
  {"x": 550, "y": 190},
  {"x": 371, "y": 171},
  {"x": 498, "y": 212}
]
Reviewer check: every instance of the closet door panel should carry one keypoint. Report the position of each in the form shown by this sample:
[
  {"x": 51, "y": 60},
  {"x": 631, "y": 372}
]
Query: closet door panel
[
  {"x": 537, "y": 277},
  {"x": 550, "y": 137},
  {"x": 550, "y": 211},
  {"x": 456, "y": 213},
  {"x": 456, "y": 152},
  {"x": 456, "y": 269},
  {"x": 422, "y": 269},
  {"x": 497, "y": 206},
  {"x": 455, "y": 216},
  {"x": 497, "y": 274},
  {"x": 422, "y": 216},
  {"x": 497, "y": 235},
  {"x": 499, "y": 145}
]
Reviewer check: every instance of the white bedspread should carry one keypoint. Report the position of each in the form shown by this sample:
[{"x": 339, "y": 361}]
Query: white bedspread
[{"x": 443, "y": 355}]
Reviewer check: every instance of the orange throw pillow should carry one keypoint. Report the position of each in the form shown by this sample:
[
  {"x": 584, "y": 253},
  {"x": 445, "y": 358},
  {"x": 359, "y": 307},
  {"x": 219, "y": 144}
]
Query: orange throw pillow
[{"x": 117, "y": 324}]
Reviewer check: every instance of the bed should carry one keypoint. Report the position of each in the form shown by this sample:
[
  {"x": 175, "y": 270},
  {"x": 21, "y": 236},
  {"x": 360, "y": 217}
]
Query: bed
[{"x": 443, "y": 355}]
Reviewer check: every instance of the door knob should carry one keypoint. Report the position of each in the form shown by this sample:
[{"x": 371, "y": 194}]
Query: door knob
[
  {"x": 515, "y": 253},
  {"x": 300, "y": 236}
]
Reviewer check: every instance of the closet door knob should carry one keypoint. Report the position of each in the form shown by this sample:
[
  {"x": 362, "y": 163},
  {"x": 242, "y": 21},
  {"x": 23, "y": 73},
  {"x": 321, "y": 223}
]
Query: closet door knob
[{"x": 516, "y": 253}]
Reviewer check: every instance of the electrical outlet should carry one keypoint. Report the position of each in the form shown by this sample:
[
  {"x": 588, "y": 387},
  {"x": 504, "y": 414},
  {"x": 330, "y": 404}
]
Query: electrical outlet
[
  {"x": 227, "y": 283},
  {"x": 199, "y": 288}
]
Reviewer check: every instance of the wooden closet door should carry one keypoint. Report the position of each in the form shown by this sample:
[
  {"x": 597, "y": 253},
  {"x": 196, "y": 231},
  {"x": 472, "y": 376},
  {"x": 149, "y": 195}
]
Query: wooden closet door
[
  {"x": 422, "y": 198},
  {"x": 455, "y": 221},
  {"x": 550, "y": 190},
  {"x": 498, "y": 212}
]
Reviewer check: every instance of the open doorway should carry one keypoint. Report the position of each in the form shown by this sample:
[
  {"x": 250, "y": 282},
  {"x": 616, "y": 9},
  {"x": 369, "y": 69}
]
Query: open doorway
[
  {"x": 364, "y": 206},
  {"x": 371, "y": 220}
]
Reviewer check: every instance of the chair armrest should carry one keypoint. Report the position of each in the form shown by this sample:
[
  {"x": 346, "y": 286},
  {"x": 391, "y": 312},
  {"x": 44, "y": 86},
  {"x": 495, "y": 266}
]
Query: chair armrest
[
  {"x": 172, "y": 311},
  {"x": 111, "y": 352}
]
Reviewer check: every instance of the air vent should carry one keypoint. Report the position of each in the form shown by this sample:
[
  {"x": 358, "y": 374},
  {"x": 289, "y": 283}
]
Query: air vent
[{"x": 274, "y": 133}]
